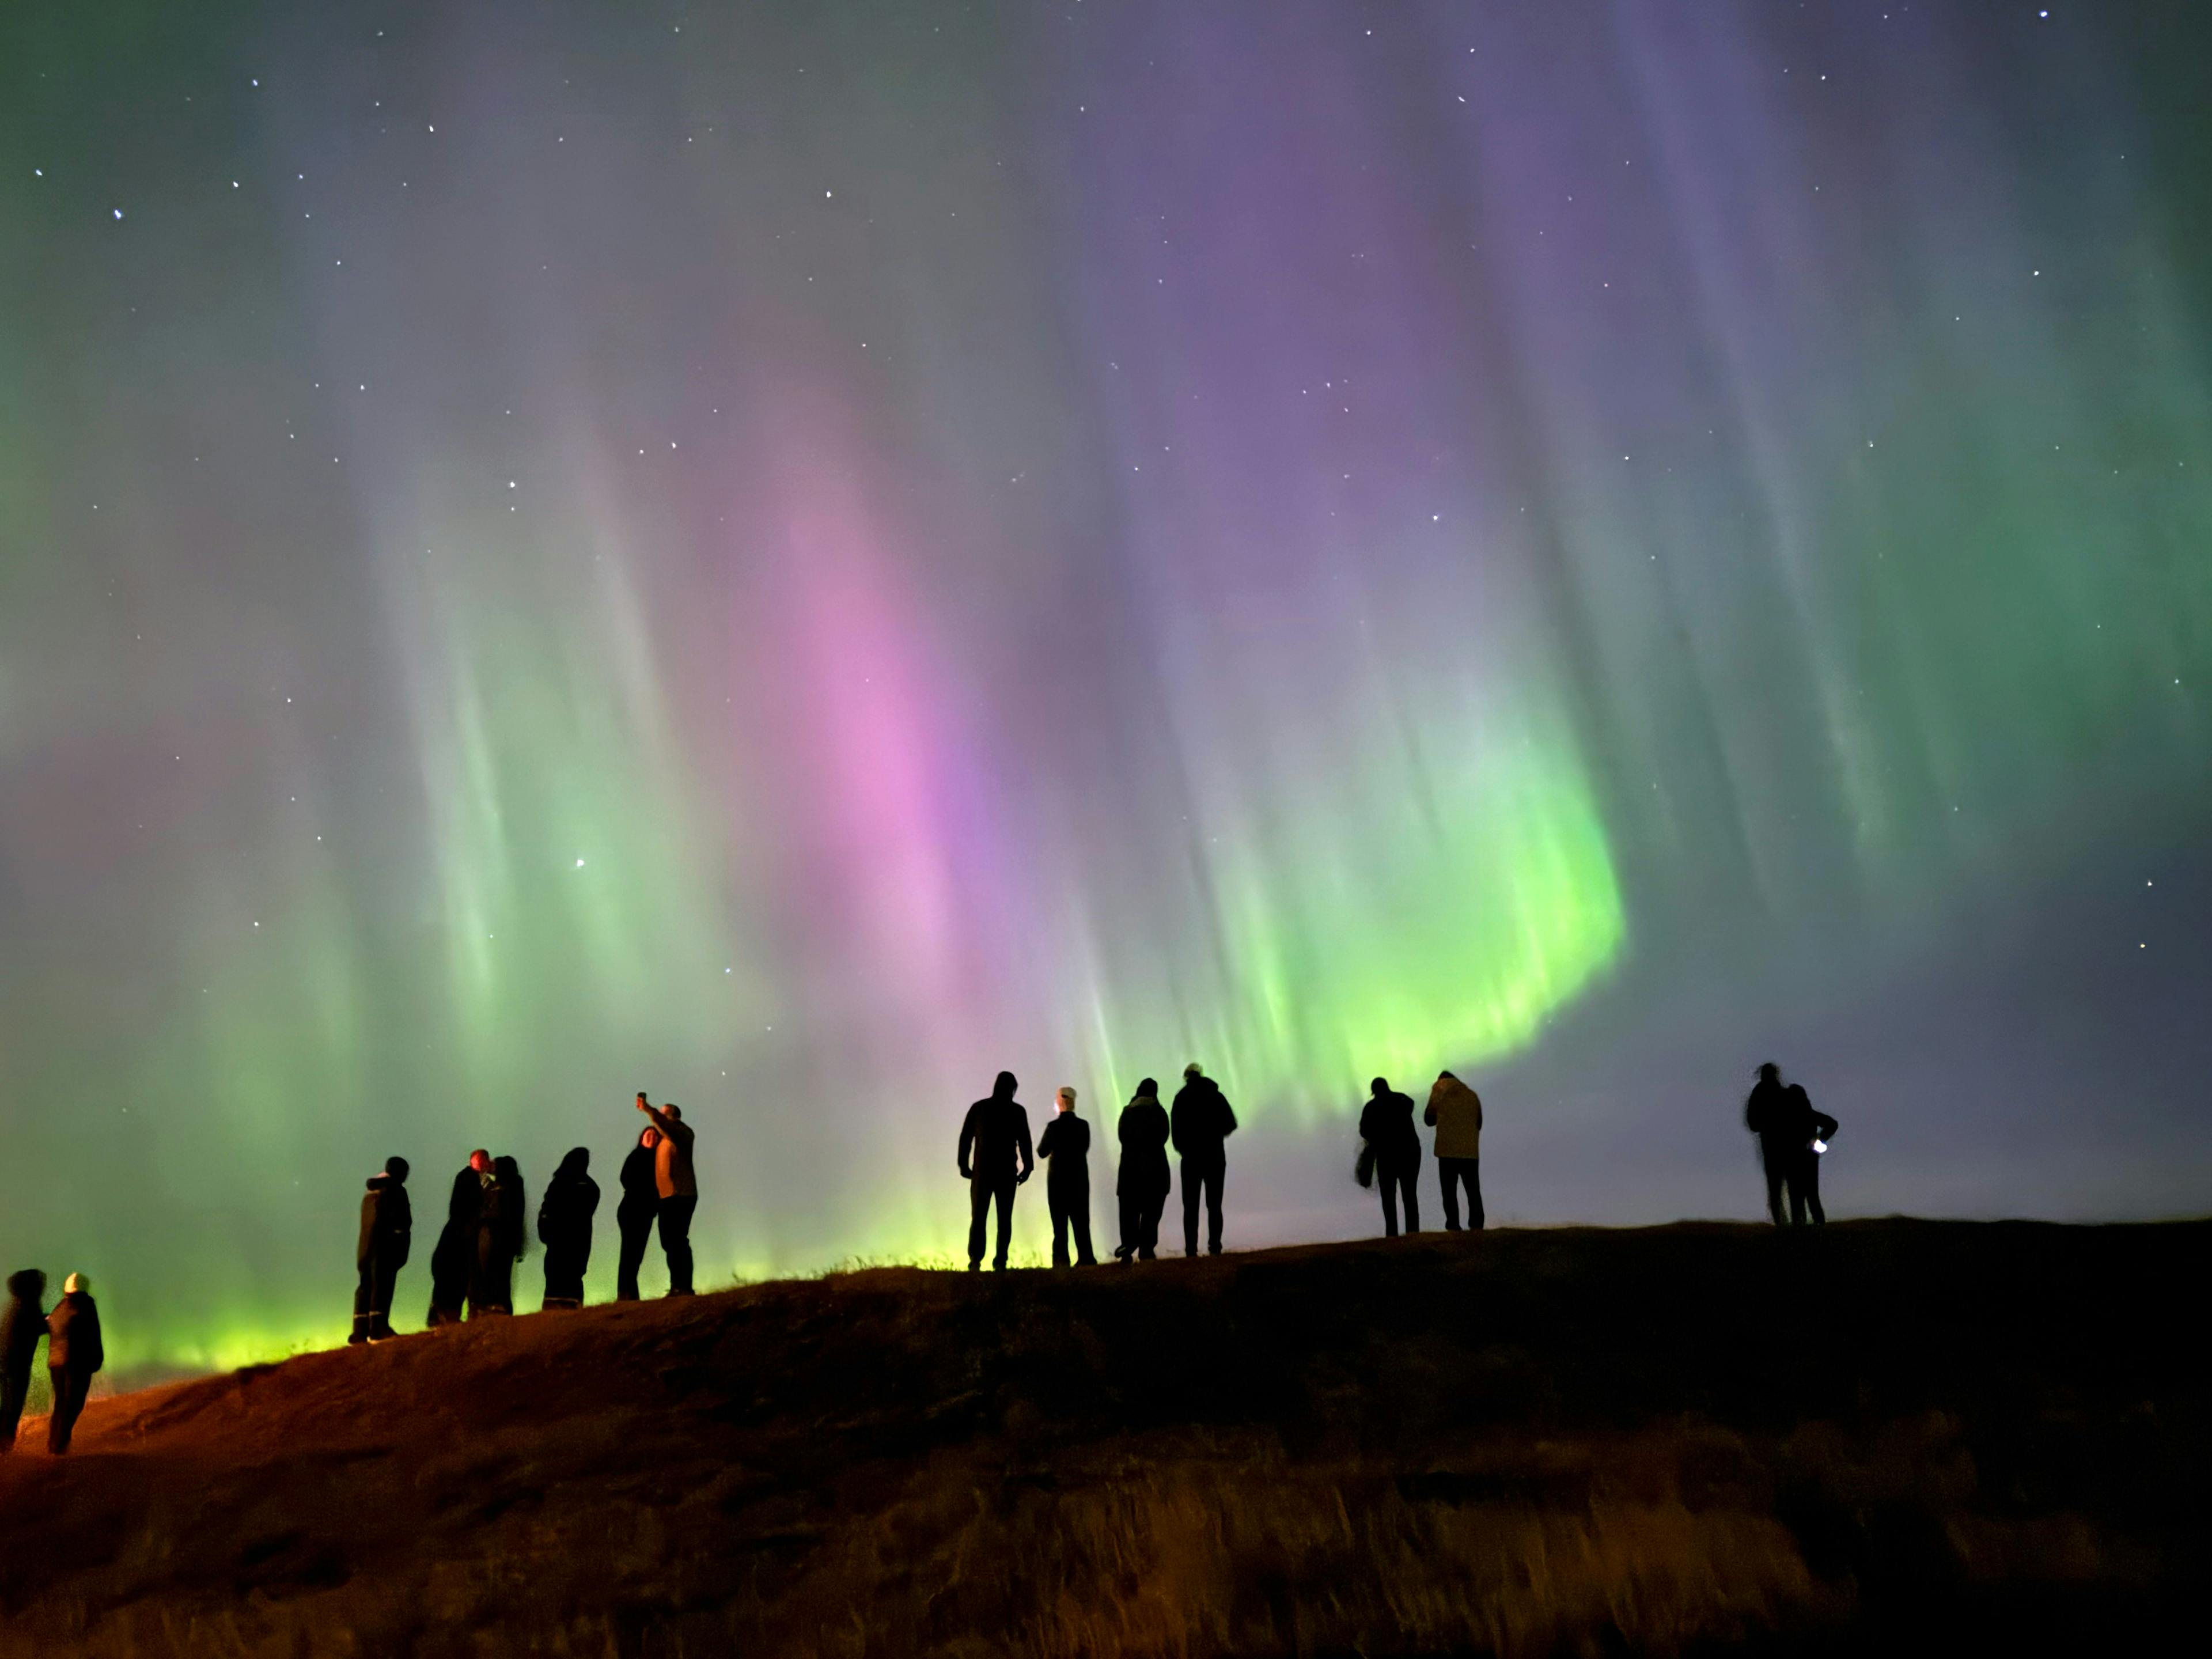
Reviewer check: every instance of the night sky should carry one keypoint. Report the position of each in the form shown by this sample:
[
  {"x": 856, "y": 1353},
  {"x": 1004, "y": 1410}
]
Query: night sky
[{"x": 793, "y": 555}]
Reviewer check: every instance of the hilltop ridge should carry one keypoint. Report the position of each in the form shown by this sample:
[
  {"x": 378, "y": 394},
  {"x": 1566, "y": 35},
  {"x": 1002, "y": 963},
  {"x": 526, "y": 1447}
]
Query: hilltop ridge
[{"x": 1701, "y": 1436}]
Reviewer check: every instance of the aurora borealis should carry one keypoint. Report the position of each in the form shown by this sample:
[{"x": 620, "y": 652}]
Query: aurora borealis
[{"x": 792, "y": 557}]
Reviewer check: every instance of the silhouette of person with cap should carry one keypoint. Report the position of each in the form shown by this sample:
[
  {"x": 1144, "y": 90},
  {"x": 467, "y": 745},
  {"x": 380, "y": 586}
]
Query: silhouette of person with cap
[
  {"x": 1064, "y": 1149},
  {"x": 75, "y": 1354}
]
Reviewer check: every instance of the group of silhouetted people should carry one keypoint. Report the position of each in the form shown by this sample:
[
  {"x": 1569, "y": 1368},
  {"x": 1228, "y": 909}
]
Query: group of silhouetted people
[
  {"x": 74, "y": 1352},
  {"x": 1390, "y": 1151},
  {"x": 996, "y": 1158},
  {"x": 472, "y": 1266}
]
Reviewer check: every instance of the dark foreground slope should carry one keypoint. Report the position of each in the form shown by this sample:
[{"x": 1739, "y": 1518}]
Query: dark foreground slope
[{"x": 1892, "y": 1435}]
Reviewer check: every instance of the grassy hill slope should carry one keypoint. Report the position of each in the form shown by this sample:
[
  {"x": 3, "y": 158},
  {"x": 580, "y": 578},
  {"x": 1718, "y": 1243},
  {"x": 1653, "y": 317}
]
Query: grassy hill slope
[{"x": 1890, "y": 1435}]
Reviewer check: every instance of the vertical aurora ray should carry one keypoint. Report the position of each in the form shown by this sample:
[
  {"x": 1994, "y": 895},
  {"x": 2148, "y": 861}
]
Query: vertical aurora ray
[{"x": 795, "y": 563}]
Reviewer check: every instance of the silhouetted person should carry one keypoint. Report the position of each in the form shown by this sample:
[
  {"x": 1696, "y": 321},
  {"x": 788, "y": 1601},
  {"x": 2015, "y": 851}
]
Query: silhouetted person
[
  {"x": 1143, "y": 1182},
  {"x": 1456, "y": 1111},
  {"x": 1386, "y": 1123},
  {"x": 500, "y": 1239},
  {"x": 387, "y": 1232},
  {"x": 994, "y": 1159},
  {"x": 1064, "y": 1149},
  {"x": 1812, "y": 1129},
  {"x": 1199, "y": 1124},
  {"x": 633, "y": 1215},
  {"x": 74, "y": 1355},
  {"x": 453, "y": 1258},
  {"x": 679, "y": 1186},
  {"x": 22, "y": 1325},
  {"x": 564, "y": 1228},
  {"x": 1781, "y": 1114}
]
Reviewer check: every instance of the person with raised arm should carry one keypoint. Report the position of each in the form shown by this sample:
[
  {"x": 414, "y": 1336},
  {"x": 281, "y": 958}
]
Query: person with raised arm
[{"x": 674, "y": 1178}]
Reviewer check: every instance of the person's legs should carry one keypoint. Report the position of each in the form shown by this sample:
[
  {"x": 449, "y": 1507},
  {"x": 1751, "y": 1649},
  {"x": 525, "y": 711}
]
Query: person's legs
[
  {"x": 1193, "y": 1179},
  {"x": 675, "y": 1242},
  {"x": 1130, "y": 1210},
  {"x": 1386, "y": 1183},
  {"x": 364, "y": 1302},
  {"x": 14, "y": 1385},
  {"x": 1412, "y": 1179},
  {"x": 1214, "y": 1177},
  {"x": 1470, "y": 1172},
  {"x": 637, "y": 1234},
  {"x": 1808, "y": 1197},
  {"x": 1057, "y": 1204},
  {"x": 564, "y": 1278},
  {"x": 979, "y": 1211},
  {"x": 1776, "y": 1172},
  {"x": 1005, "y": 1197},
  {"x": 1448, "y": 1178},
  {"x": 384, "y": 1285},
  {"x": 70, "y": 1388},
  {"x": 1079, "y": 1217},
  {"x": 1148, "y": 1226}
]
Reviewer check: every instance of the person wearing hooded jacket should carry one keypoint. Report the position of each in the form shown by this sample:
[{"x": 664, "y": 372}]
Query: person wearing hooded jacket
[
  {"x": 996, "y": 1158},
  {"x": 453, "y": 1261},
  {"x": 22, "y": 1326},
  {"x": 1455, "y": 1111},
  {"x": 1199, "y": 1123},
  {"x": 1386, "y": 1124},
  {"x": 1143, "y": 1182},
  {"x": 74, "y": 1355},
  {"x": 564, "y": 1228},
  {"x": 499, "y": 1241},
  {"x": 633, "y": 1215},
  {"x": 387, "y": 1232},
  {"x": 1064, "y": 1149}
]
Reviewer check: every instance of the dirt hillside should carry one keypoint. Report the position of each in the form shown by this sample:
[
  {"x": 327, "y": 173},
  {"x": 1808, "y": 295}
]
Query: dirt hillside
[{"x": 1889, "y": 1436}]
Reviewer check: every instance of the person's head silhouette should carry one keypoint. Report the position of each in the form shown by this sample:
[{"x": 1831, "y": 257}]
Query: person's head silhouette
[
  {"x": 397, "y": 1168},
  {"x": 1769, "y": 1072},
  {"x": 1066, "y": 1099},
  {"x": 1379, "y": 1087},
  {"x": 1147, "y": 1087}
]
